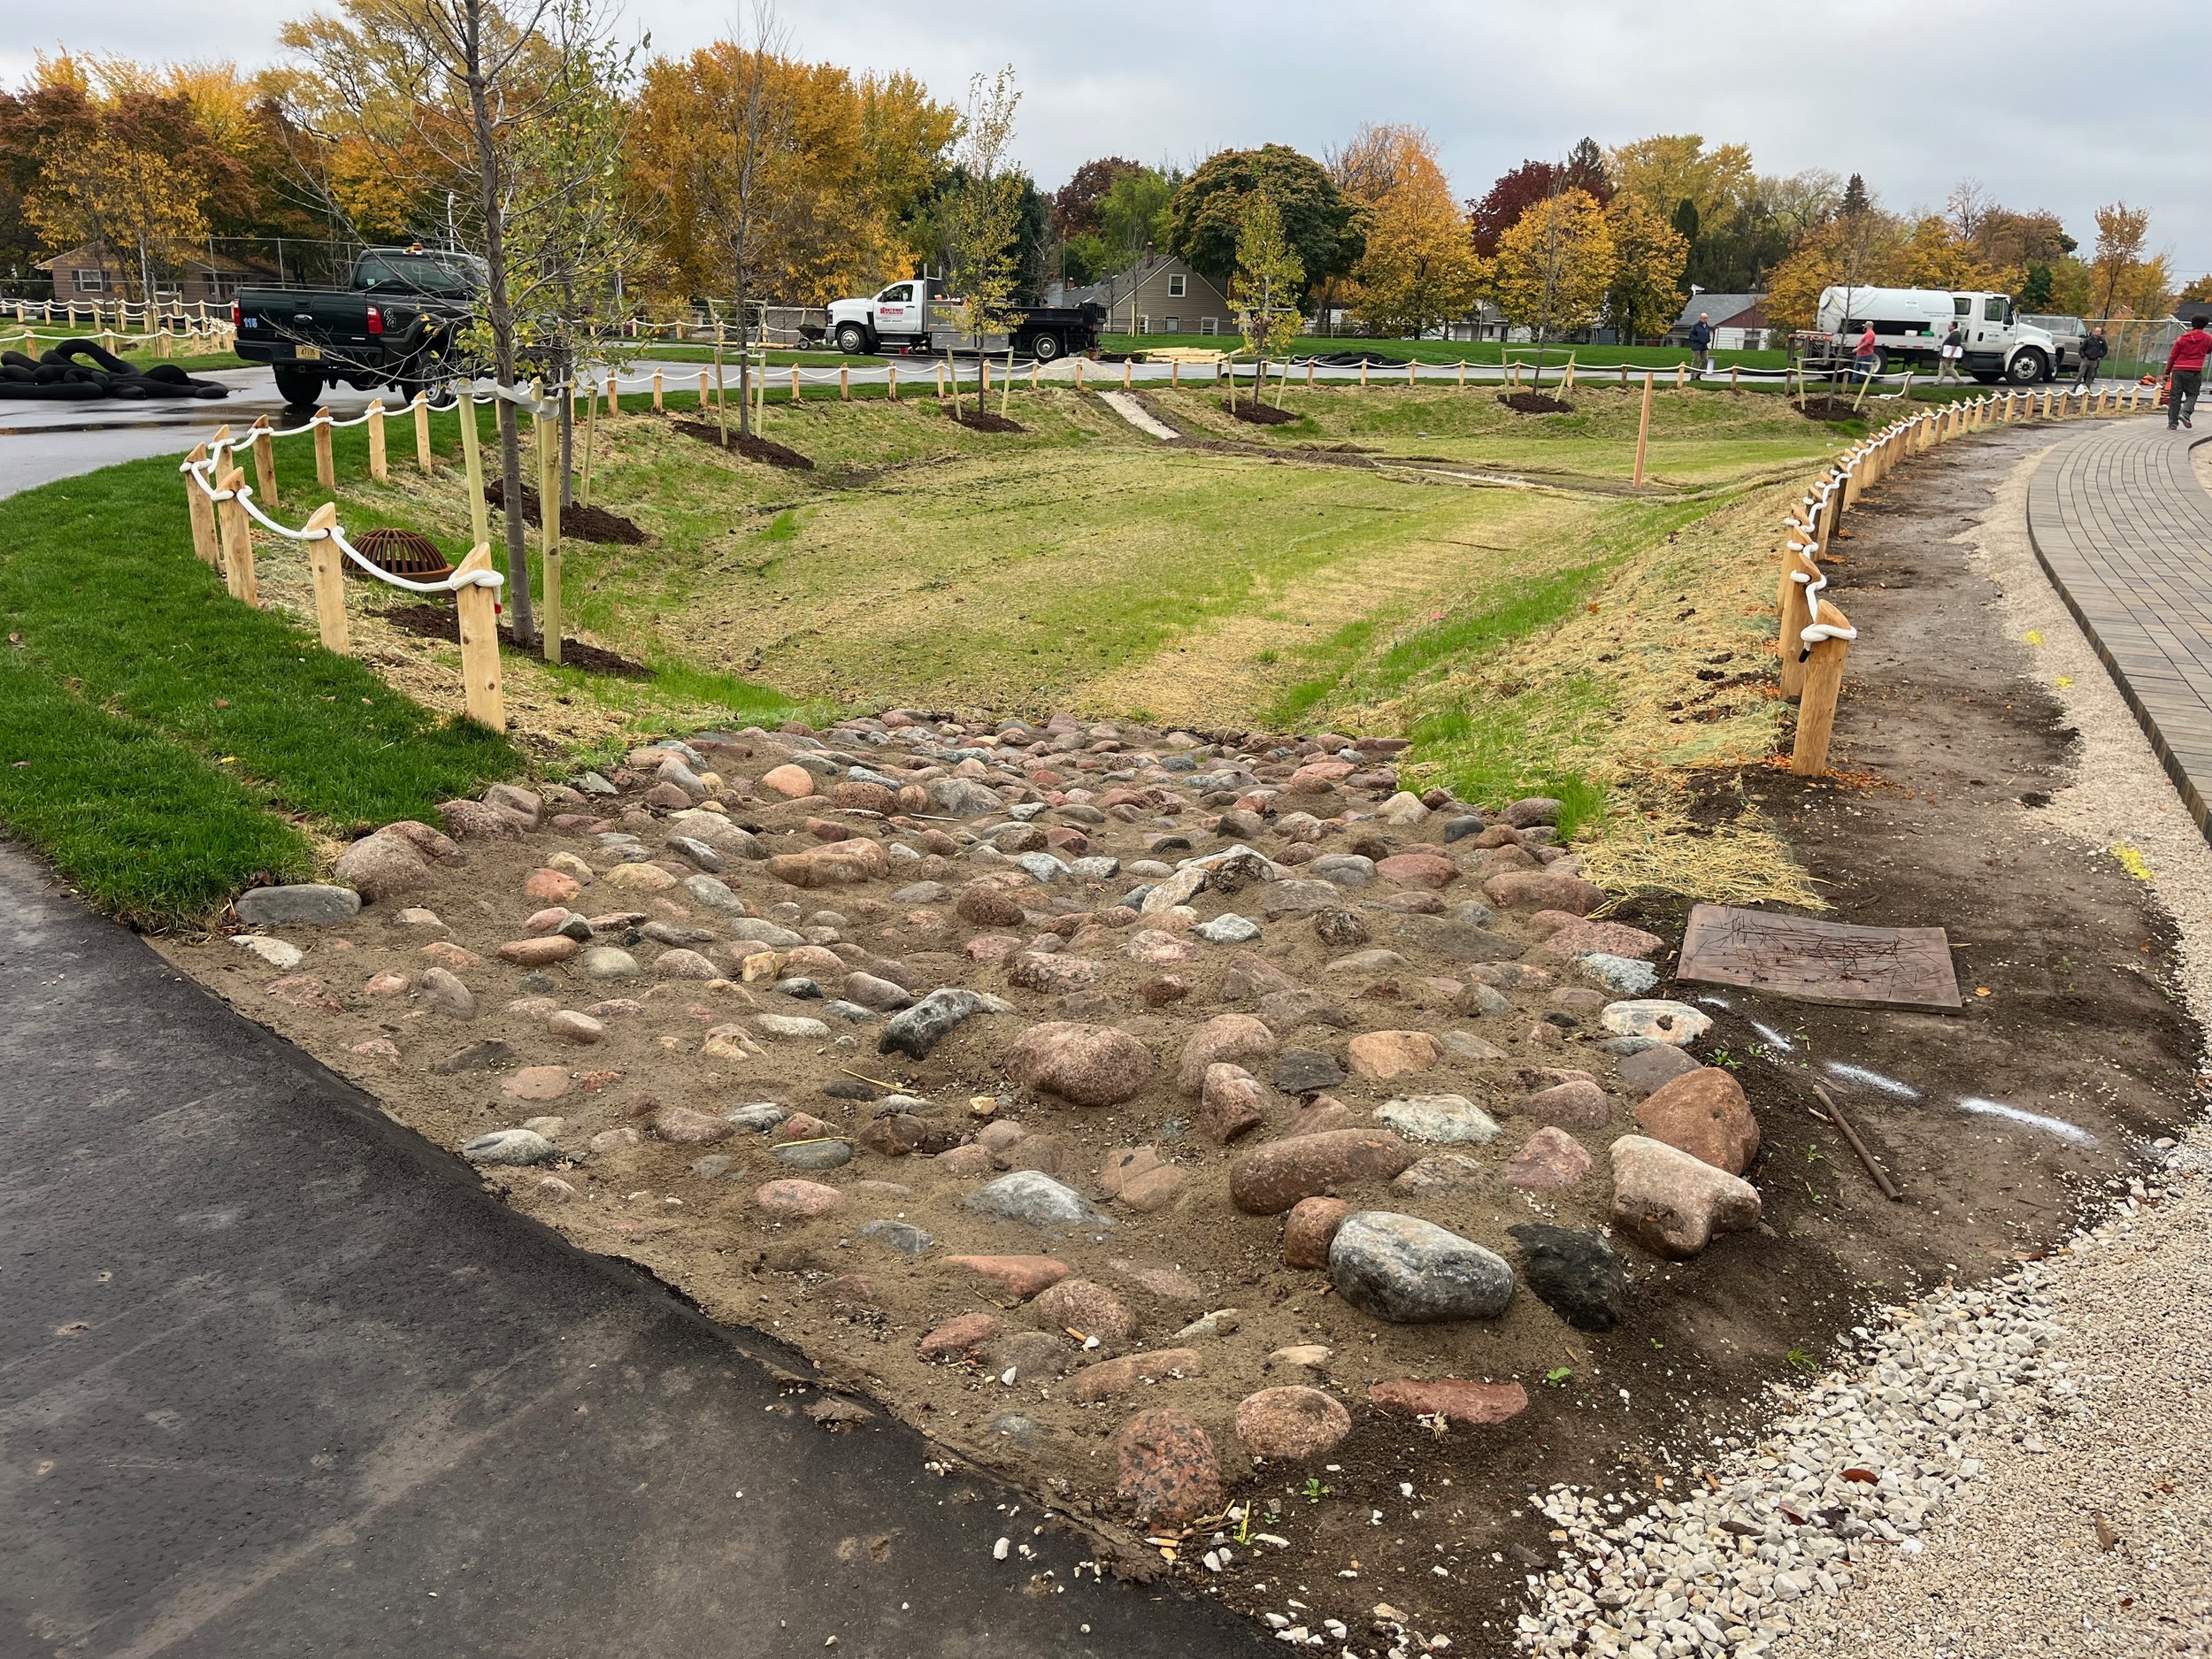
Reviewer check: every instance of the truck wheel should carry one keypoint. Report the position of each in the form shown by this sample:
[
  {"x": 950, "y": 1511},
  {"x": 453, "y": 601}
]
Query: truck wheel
[
  {"x": 301, "y": 388},
  {"x": 2027, "y": 367},
  {"x": 1046, "y": 347},
  {"x": 852, "y": 340}
]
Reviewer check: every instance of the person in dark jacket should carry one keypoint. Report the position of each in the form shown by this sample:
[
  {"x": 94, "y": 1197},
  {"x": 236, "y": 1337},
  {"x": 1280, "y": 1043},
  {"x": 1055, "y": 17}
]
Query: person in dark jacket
[
  {"x": 2092, "y": 355},
  {"x": 1701, "y": 343}
]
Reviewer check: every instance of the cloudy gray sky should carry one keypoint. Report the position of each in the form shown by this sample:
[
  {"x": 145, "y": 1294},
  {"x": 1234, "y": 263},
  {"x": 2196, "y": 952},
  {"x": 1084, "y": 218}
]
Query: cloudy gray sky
[{"x": 2057, "y": 104}]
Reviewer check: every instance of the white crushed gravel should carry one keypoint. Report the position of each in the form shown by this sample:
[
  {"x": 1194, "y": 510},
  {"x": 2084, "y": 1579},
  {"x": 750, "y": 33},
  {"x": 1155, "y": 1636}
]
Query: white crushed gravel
[{"x": 2014, "y": 1469}]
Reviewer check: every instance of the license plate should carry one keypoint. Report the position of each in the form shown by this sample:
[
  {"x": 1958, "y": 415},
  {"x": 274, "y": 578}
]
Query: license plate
[{"x": 308, "y": 354}]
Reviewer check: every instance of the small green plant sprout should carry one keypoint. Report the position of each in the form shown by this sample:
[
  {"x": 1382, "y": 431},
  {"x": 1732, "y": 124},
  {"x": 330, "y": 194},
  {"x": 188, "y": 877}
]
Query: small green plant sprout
[
  {"x": 1560, "y": 1376},
  {"x": 1722, "y": 1058},
  {"x": 1316, "y": 1489},
  {"x": 1657, "y": 1343},
  {"x": 1814, "y": 1155},
  {"x": 1800, "y": 1360}
]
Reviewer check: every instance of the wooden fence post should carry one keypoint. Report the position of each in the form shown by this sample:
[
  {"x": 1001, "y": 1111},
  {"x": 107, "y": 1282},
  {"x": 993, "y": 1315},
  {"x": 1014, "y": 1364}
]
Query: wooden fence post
[
  {"x": 377, "y": 470},
  {"x": 326, "y": 566},
  {"x": 1568, "y": 383},
  {"x": 1362, "y": 370},
  {"x": 472, "y": 459},
  {"x": 940, "y": 379},
  {"x": 1079, "y": 373},
  {"x": 1817, "y": 704},
  {"x": 1309, "y": 375},
  {"x": 422, "y": 431},
  {"x": 706, "y": 397},
  {"x": 325, "y": 465},
  {"x": 479, "y": 643},
  {"x": 1125, "y": 374},
  {"x": 1681, "y": 376},
  {"x": 1791, "y": 604},
  {"x": 591, "y": 436},
  {"x": 264, "y": 484},
  {"x": 1033, "y": 374},
  {"x": 1412, "y": 366},
  {"x": 1643, "y": 432},
  {"x": 237, "y": 536},
  {"x": 844, "y": 384},
  {"x": 1732, "y": 368},
  {"x": 660, "y": 405},
  {"x": 205, "y": 546},
  {"x": 794, "y": 385},
  {"x": 550, "y": 534},
  {"x": 614, "y": 395}
]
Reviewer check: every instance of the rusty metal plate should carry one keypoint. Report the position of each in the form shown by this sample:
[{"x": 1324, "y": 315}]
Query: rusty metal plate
[{"x": 1819, "y": 962}]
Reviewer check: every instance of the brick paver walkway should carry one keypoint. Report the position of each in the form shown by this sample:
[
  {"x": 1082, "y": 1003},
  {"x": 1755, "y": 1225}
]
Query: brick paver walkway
[{"x": 2124, "y": 529}]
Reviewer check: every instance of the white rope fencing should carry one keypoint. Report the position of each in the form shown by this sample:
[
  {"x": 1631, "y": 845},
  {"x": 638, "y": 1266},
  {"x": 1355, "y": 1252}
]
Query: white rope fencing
[
  {"x": 223, "y": 509},
  {"x": 1814, "y": 634}
]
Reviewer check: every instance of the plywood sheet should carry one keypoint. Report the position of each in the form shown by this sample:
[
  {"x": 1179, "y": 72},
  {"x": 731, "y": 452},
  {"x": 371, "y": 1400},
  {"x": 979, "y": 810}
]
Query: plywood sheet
[{"x": 1819, "y": 962}]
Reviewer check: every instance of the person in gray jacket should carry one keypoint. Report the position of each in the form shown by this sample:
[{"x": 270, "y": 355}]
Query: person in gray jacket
[{"x": 1701, "y": 343}]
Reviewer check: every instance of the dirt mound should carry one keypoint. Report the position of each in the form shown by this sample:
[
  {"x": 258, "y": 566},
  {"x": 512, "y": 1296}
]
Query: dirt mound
[
  {"x": 1262, "y": 414},
  {"x": 441, "y": 622},
  {"x": 1536, "y": 403},
  {"x": 751, "y": 445},
  {"x": 581, "y": 524},
  {"x": 1825, "y": 409},
  {"x": 984, "y": 422}
]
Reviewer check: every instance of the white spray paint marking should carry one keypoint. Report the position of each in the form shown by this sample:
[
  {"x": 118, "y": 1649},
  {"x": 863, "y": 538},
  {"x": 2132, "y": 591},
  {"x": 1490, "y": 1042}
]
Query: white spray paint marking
[
  {"x": 2057, "y": 1126},
  {"x": 1717, "y": 1001},
  {"x": 1872, "y": 1079},
  {"x": 1774, "y": 1038}
]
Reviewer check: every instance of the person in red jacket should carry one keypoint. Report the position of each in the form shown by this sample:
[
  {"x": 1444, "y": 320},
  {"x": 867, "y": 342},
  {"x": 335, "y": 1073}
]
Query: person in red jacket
[{"x": 2185, "y": 373}]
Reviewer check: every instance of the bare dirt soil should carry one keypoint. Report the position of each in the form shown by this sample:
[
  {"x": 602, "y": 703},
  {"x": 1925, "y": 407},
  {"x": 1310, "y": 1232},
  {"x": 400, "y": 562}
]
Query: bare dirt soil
[
  {"x": 1262, "y": 414},
  {"x": 751, "y": 445},
  {"x": 1536, "y": 403},
  {"x": 441, "y": 622},
  {"x": 585, "y": 523}
]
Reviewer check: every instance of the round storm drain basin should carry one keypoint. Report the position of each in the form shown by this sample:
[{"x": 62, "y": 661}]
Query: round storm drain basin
[{"x": 407, "y": 553}]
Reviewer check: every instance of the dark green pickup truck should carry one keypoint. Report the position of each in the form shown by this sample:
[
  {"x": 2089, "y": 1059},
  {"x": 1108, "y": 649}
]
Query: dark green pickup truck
[{"x": 396, "y": 324}]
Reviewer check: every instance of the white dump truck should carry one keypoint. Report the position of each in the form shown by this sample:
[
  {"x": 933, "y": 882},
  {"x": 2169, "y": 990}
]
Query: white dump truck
[
  {"x": 917, "y": 315},
  {"x": 1909, "y": 326}
]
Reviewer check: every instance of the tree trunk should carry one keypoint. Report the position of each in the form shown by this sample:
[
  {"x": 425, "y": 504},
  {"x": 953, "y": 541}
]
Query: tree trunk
[{"x": 500, "y": 316}]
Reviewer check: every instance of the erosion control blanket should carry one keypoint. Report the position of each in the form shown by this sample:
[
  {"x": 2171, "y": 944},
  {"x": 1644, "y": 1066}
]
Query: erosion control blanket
[{"x": 75, "y": 369}]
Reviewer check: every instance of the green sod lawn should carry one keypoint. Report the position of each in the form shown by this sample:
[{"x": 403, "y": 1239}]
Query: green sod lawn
[{"x": 165, "y": 746}]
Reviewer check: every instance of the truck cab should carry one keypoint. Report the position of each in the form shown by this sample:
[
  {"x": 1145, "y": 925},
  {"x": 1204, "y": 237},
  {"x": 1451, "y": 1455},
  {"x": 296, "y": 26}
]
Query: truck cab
[{"x": 915, "y": 314}]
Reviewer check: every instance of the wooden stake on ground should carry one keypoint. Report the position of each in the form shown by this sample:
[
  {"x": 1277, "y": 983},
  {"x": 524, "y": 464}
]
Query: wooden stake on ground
[
  {"x": 479, "y": 643},
  {"x": 1643, "y": 432},
  {"x": 325, "y": 464},
  {"x": 1816, "y": 703},
  {"x": 205, "y": 546},
  {"x": 1006, "y": 392},
  {"x": 549, "y": 527},
  {"x": 795, "y": 385},
  {"x": 378, "y": 469},
  {"x": 1462, "y": 374},
  {"x": 705, "y": 396},
  {"x": 264, "y": 484},
  {"x": 1412, "y": 365},
  {"x": 1125, "y": 374},
  {"x": 237, "y": 540},
  {"x": 1362, "y": 370},
  {"x": 1309, "y": 375},
  {"x": 1681, "y": 375},
  {"x": 660, "y": 405},
  {"x": 1175, "y": 374},
  {"x": 472, "y": 459},
  {"x": 844, "y": 384},
  {"x": 1731, "y": 375},
  {"x": 940, "y": 379},
  {"x": 891, "y": 381},
  {"x": 422, "y": 431},
  {"x": 1880, "y": 1175},
  {"x": 591, "y": 433},
  {"x": 327, "y": 566},
  {"x": 1567, "y": 384},
  {"x": 614, "y": 396}
]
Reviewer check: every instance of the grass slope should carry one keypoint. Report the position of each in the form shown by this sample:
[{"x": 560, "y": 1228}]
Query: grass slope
[{"x": 144, "y": 697}]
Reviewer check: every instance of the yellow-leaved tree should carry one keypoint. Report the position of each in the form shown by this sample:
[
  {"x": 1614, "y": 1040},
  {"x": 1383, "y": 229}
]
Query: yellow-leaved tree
[
  {"x": 1420, "y": 268},
  {"x": 1648, "y": 254},
  {"x": 2124, "y": 282},
  {"x": 146, "y": 211},
  {"x": 1554, "y": 267},
  {"x": 1268, "y": 287}
]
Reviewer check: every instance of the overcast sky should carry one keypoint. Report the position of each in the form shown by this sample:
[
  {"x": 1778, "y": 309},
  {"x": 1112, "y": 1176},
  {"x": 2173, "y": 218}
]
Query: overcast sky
[{"x": 2056, "y": 103}]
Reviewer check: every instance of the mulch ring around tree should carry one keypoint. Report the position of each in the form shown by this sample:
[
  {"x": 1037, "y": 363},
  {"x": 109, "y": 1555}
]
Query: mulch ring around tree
[
  {"x": 752, "y": 447},
  {"x": 442, "y": 622},
  {"x": 1536, "y": 403},
  {"x": 982, "y": 421},
  {"x": 581, "y": 524},
  {"x": 1829, "y": 408},
  {"x": 1263, "y": 414}
]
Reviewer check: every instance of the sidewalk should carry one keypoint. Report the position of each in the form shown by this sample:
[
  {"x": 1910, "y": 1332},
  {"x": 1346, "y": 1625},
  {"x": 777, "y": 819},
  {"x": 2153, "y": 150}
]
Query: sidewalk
[{"x": 2125, "y": 530}]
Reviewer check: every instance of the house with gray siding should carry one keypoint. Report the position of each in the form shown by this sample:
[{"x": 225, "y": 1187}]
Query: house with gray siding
[{"x": 1159, "y": 295}]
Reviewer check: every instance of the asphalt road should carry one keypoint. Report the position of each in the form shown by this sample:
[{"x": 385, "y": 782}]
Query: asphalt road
[{"x": 278, "y": 1377}]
